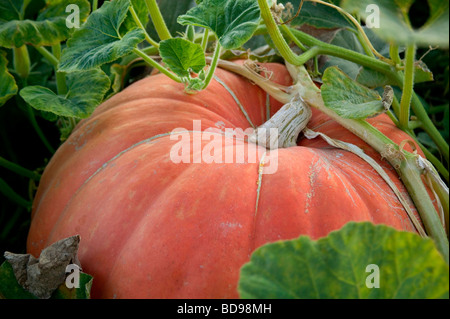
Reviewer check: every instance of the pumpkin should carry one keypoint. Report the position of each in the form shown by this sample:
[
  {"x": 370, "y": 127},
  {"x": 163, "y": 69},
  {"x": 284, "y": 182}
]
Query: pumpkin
[{"x": 153, "y": 228}]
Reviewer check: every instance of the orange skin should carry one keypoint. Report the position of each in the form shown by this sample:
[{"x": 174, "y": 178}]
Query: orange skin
[{"x": 151, "y": 228}]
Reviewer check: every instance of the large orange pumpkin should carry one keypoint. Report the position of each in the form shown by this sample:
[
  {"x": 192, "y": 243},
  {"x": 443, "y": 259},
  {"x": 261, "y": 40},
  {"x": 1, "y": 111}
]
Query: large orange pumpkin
[{"x": 152, "y": 228}]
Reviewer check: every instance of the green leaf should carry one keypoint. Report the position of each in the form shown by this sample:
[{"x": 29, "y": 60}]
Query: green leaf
[
  {"x": 182, "y": 56},
  {"x": 49, "y": 28},
  {"x": 348, "y": 98},
  {"x": 233, "y": 21},
  {"x": 99, "y": 41},
  {"x": 346, "y": 39},
  {"x": 373, "y": 79},
  {"x": 9, "y": 287},
  {"x": 394, "y": 24},
  {"x": 422, "y": 73},
  {"x": 359, "y": 261},
  {"x": 316, "y": 15},
  {"x": 8, "y": 86},
  {"x": 82, "y": 292},
  {"x": 86, "y": 90}
]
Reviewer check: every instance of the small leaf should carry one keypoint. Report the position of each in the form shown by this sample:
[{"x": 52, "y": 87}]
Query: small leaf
[
  {"x": 233, "y": 21},
  {"x": 118, "y": 73},
  {"x": 86, "y": 90},
  {"x": 8, "y": 86},
  {"x": 49, "y": 28},
  {"x": 422, "y": 73},
  {"x": 99, "y": 41},
  {"x": 394, "y": 25},
  {"x": 359, "y": 261},
  {"x": 348, "y": 98},
  {"x": 182, "y": 56},
  {"x": 195, "y": 85}
]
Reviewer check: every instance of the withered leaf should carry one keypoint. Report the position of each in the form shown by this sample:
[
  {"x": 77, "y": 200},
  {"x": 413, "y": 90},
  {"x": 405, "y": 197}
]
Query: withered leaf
[{"x": 42, "y": 276}]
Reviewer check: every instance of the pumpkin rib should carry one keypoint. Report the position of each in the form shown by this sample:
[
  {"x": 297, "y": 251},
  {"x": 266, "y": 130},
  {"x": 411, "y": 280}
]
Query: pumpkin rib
[
  {"x": 159, "y": 200},
  {"x": 105, "y": 164},
  {"x": 239, "y": 104},
  {"x": 106, "y": 112},
  {"x": 260, "y": 168}
]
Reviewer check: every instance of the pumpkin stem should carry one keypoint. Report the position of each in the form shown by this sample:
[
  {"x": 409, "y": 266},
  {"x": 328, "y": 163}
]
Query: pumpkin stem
[
  {"x": 279, "y": 92},
  {"x": 282, "y": 129}
]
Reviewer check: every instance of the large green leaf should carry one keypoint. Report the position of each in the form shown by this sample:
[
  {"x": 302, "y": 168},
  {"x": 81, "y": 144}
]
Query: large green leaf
[
  {"x": 348, "y": 98},
  {"x": 317, "y": 15},
  {"x": 233, "y": 21},
  {"x": 394, "y": 24},
  {"x": 48, "y": 28},
  {"x": 359, "y": 261},
  {"x": 182, "y": 56},
  {"x": 99, "y": 41},
  {"x": 8, "y": 86},
  {"x": 86, "y": 90}
]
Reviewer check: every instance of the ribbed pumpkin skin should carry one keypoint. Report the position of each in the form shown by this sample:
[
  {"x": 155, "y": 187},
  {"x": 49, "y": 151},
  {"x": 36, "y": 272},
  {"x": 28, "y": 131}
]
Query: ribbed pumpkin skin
[{"x": 151, "y": 228}]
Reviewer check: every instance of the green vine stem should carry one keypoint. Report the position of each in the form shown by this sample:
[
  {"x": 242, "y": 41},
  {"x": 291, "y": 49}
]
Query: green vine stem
[
  {"x": 150, "y": 50},
  {"x": 21, "y": 61},
  {"x": 204, "y": 43},
  {"x": 275, "y": 34},
  {"x": 158, "y": 20},
  {"x": 48, "y": 56},
  {"x": 140, "y": 25},
  {"x": 340, "y": 52},
  {"x": 19, "y": 169},
  {"x": 61, "y": 85},
  {"x": 94, "y": 5},
  {"x": 394, "y": 54},
  {"x": 286, "y": 30},
  {"x": 213, "y": 65},
  {"x": 408, "y": 85},
  {"x": 156, "y": 65}
]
